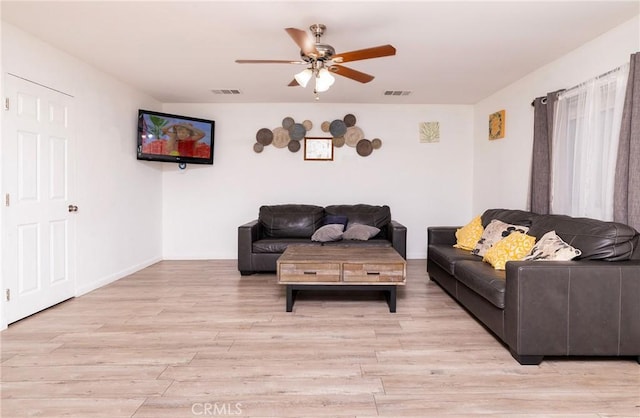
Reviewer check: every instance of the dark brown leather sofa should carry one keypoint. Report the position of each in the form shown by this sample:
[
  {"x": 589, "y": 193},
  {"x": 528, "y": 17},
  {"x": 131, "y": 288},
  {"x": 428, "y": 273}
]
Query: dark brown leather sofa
[
  {"x": 589, "y": 306},
  {"x": 262, "y": 241}
]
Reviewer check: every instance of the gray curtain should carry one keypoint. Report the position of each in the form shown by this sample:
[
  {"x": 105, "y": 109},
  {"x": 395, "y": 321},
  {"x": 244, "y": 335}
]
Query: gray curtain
[
  {"x": 540, "y": 187},
  {"x": 626, "y": 206}
]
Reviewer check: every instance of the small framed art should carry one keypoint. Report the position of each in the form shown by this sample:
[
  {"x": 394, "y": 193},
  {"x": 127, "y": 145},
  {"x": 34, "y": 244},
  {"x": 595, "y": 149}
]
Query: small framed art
[
  {"x": 496, "y": 125},
  {"x": 318, "y": 149}
]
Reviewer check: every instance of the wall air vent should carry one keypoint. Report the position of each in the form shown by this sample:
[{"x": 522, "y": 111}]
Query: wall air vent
[
  {"x": 226, "y": 91},
  {"x": 397, "y": 93}
]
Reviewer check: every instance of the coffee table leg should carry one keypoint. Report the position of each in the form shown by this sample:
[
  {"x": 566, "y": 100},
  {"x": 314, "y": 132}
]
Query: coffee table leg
[
  {"x": 391, "y": 299},
  {"x": 291, "y": 294}
]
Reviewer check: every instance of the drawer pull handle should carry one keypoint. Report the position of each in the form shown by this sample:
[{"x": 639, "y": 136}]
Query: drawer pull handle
[
  {"x": 373, "y": 273},
  {"x": 310, "y": 272}
]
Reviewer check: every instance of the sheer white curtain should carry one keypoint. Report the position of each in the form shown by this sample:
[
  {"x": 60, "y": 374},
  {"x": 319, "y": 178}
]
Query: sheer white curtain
[{"x": 585, "y": 145}]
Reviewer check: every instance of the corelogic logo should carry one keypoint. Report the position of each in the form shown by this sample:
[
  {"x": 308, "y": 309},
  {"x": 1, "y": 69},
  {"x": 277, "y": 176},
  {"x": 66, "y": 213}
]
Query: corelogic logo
[{"x": 209, "y": 409}]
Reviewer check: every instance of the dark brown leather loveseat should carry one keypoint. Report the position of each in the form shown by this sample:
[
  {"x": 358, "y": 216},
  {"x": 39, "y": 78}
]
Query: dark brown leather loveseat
[
  {"x": 589, "y": 306},
  {"x": 262, "y": 241}
]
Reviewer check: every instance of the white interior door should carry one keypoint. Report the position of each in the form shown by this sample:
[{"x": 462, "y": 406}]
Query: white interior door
[{"x": 39, "y": 229}]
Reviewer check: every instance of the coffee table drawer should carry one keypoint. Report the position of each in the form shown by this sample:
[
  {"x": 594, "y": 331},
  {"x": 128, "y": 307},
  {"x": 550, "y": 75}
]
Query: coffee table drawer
[
  {"x": 309, "y": 272},
  {"x": 373, "y": 272}
]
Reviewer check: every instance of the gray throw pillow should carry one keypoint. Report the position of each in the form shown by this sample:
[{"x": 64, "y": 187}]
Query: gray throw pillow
[
  {"x": 360, "y": 232},
  {"x": 331, "y": 232}
]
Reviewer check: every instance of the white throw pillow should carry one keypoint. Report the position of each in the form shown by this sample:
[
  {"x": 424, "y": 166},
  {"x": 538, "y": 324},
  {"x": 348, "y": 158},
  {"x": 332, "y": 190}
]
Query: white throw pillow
[
  {"x": 552, "y": 248},
  {"x": 494, "y": 232}
]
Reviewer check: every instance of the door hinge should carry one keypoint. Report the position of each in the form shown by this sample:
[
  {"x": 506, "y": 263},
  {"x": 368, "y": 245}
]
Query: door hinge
[
  {"x": 6, "y": 103},
  {"x": 8, "y": 293},
  {"x": 7, "y": 199}
]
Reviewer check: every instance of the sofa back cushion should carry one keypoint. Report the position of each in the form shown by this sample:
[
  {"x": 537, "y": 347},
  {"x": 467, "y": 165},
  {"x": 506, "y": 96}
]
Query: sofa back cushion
[
  {"x": 290, "y": 221},
  {"x": 378, "y": 216},
  {"x": 510, "y": 216},
  {"x": 598, "y": 240}
]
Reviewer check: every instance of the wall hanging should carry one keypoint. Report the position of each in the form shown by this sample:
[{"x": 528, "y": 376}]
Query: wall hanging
[
  {"x": 343, "y": 132},
  {"x": 429, "y": 132},
  {"x": 496, "y": 125}
]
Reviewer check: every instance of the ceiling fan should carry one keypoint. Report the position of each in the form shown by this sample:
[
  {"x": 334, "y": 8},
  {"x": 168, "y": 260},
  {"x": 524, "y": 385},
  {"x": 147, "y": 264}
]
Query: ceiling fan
[{"x": 322, "y": 59}]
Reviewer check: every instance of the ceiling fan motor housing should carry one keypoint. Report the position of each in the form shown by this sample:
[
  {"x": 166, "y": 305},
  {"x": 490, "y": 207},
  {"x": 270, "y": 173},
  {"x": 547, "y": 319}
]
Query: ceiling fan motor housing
[{"x": 325, "y": 52}]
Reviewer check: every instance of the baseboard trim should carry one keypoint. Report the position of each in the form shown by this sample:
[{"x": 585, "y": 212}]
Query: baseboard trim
[{"x": 115, "y": 276}]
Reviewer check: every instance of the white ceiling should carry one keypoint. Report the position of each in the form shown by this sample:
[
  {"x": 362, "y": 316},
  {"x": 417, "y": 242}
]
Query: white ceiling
[{"x": 447, "y": 52}]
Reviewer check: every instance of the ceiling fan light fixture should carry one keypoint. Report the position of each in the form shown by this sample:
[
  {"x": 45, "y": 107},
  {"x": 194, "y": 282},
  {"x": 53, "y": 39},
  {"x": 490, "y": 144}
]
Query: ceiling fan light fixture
[
  {"x": 324, "y": 80},
  {"x": 303, "y": 77}
]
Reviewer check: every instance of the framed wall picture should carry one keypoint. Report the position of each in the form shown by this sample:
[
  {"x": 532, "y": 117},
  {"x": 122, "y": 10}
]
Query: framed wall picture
[
  {"x": 318, "y": 148},
  {"x": 496, "y": 125}
]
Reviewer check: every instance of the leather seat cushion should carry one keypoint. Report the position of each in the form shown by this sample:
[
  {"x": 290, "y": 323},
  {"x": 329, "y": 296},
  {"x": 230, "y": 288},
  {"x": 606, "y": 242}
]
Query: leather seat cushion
[
  {"x": 446, "y": 256},
  {"x": 483, "y": 279},
  {"x": 278, "y": 245}
]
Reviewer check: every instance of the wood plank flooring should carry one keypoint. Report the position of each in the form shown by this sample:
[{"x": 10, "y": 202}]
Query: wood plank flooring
[{"x": 194, "y": 339}]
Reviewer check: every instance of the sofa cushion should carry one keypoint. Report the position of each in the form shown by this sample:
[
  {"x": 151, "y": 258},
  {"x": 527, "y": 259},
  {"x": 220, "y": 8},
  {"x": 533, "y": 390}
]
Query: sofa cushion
[
  {"x": 483, "y": 279},
  {"x": 447, "y": 256},
  {"x": 278, "y": 245},
  {"x": 360, "y": 232},
  {"x": 552, "y": 248},
  {"x": 375, "y": 242},
  {"x": 468, "y": 236},
  {"x": 494, "y": 232},
  {"x": 326, "y": 233},
  {"x": 290, "y": 221},
  {"x": 378, "y": 216},
  {"x": 335, "y": 219},
  {"x": 598, "y": 240},
  {"x": 510, "y": 216},
  {"x": 514, "y": 247}
]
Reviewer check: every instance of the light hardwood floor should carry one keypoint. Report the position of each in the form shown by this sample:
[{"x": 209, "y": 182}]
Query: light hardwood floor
[{"x": 194, "y": 339}]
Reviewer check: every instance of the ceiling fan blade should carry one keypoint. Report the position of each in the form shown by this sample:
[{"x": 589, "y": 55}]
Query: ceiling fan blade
[
  {"x": 302, "y": 39},
  {"x": 363, "y": 54},
  {"x": 269, "y": 62},
  {"x": 351, "y": 73},
  {"x": 293, "y": 83}
]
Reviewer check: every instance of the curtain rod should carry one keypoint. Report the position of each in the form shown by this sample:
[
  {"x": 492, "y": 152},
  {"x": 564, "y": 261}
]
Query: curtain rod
[{"x": 544, "y": 99}]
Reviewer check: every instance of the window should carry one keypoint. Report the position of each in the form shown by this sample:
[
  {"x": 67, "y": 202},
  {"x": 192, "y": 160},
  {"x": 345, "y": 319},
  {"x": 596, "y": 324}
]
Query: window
[{"x": 585, "y": 146}]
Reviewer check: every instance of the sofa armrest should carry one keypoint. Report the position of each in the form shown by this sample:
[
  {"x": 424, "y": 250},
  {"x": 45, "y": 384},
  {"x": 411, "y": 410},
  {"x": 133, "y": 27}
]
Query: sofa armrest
[
  {"x": 397, "y": 234},
  {"x": 442, "y": 235},
  {"x": 247, "y": 235},
  {"x": 572, "y": 308}
]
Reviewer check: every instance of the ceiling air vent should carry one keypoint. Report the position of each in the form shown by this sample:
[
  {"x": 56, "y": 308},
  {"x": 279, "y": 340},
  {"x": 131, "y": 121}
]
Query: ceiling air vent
[
  {"x": 397, "y": 93},
  {"x": 226, "y": 91}
]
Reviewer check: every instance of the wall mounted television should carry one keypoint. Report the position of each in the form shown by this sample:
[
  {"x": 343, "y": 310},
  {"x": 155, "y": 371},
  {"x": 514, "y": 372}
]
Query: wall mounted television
[{"x": 174, "y": 138}]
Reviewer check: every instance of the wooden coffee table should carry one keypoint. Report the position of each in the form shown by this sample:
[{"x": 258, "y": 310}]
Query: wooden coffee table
[{"x": 315, "y": 267}]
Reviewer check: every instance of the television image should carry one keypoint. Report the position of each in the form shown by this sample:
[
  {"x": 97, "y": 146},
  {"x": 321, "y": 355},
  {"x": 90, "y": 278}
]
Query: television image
[{"x": 174, "y": 139}]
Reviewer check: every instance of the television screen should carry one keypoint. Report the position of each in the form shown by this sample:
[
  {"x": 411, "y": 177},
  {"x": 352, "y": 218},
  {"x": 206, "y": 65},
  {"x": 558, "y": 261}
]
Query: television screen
[{"x": 174, "y": 138}]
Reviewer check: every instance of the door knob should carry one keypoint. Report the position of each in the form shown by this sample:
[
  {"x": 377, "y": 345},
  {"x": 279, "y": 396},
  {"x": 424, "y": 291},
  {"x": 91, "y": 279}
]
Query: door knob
[{"x": 73, "y": 208}]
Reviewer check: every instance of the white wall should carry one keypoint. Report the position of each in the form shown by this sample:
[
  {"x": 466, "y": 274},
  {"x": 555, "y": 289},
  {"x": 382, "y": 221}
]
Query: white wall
[
  {"x": 492, "y": 188},
  {"x": 424, "y": 184},
  {"x": 119, "y": 198}
]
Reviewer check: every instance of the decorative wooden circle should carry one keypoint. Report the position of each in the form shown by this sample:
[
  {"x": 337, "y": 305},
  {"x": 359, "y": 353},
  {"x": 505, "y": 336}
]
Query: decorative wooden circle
[
  {"x": 287, "y": 122},
  {"x": 308, "y": 125},
  {"x": 294, "y": 146},
  {"x": 349, "y": 120},
  {"x": 364, "y": 147},
  {"x": 297, "y": 131},
  {"x": 280, "y": 137},
  {"x": 264, "y": 136},
  {"x": 353, "y": 135},
  {"x": 258, "y": 147},
  {"x": 337, "y": 128},
  {"x": 338, "y": 142},
  {"x": 376, "y": 143},
  {"x": 325, "y": 126}
]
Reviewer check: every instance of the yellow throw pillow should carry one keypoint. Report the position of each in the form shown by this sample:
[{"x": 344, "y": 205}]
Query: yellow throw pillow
[
  {"x": 514, "y": 247},
  {"x": 468, "y": 236}
]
